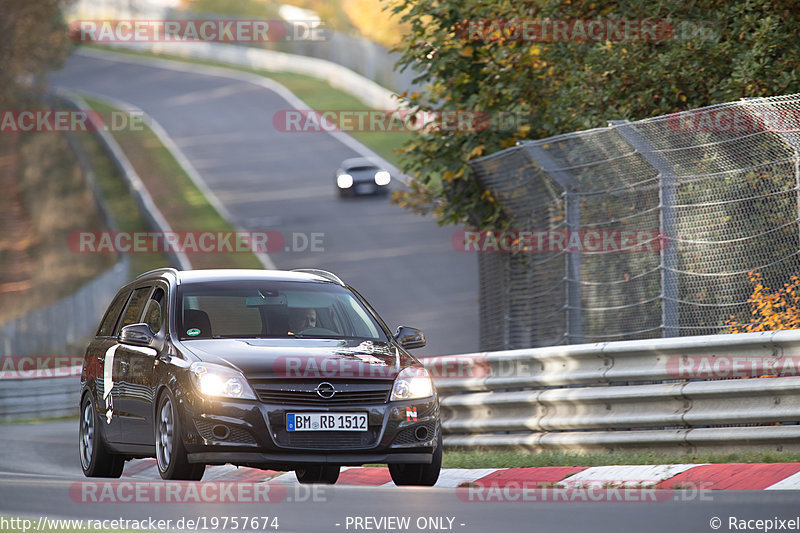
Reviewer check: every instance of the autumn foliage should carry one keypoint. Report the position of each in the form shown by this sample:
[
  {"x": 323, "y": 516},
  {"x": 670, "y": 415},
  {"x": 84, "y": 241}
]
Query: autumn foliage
[
  {"x": 770, "y": 309},
  {"x": 33, "y": 40},
  {"x": 721, "y": 51}
]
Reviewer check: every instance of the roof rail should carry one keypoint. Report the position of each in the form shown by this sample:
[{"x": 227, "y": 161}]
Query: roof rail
[
  {"x": 321, "y": 273},
  {"x": 159, "y": 270}
]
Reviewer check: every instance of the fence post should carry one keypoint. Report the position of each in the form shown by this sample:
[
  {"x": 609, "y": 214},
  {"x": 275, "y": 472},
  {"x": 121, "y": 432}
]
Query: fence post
[
  {"x": 670, "y": 319},
  {"x": 573, "y": 221}
]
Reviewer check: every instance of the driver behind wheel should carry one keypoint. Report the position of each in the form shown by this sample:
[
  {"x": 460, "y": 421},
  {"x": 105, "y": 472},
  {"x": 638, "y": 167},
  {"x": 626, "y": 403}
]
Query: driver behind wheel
[{"x": 302, "y": 319}]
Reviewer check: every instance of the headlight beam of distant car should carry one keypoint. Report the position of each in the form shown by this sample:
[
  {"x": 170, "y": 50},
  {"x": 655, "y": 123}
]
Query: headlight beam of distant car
[{"x": 344, "y": 181}]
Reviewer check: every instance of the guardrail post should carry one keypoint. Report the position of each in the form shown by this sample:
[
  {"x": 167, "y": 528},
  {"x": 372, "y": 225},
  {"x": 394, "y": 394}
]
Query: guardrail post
[
  {"x": 573, "y": 221},
  {"x": 670, "y": 318}
]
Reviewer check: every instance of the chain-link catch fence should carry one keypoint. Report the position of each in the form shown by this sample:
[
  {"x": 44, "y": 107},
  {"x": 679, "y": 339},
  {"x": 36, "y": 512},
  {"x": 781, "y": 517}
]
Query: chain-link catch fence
[{"x": 717, "y": 187}]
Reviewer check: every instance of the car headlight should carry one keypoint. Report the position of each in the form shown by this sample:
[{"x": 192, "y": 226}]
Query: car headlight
[
  {"x": 412, "y": 384},
  {"x": 382, "y": 178},
  {"x": 220, "y": 381},
  {"x": 344, "y": 181}
]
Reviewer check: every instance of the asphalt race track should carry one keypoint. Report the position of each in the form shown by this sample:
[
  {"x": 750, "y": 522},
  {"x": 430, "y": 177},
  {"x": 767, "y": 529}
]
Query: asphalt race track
[
  {"x": 40, "y": 476},
  {"x": 402, "y": 263}
]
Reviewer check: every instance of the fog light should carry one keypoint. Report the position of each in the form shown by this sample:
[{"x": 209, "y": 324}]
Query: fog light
[{"x": 221, "y": 432}]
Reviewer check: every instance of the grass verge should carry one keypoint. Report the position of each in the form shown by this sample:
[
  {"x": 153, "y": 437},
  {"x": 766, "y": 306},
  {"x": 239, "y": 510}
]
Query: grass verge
[
  {"x": 183, "y": 205},
  {"x": 485, "y": 458},
  {"x": 121, "y": 206},
  {"x": 41, "y": 421},
  {"x": 316, "y": 93}
]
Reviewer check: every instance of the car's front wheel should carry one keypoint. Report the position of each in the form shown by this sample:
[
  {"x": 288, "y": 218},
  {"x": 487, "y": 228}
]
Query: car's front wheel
[
  {"x": 96, "y": 461},
  {"x": 170, "y": 453},
  {"x": 424, "y": 475},
  {"x": 326, "y": 474}
]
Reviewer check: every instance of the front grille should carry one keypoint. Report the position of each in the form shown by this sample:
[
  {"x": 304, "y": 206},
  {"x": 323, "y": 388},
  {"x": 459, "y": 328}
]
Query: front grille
[
  {"x": 350, "y": 393},
  {"x": 364, "y": 397},
  {"x": 331, "y": 440}
]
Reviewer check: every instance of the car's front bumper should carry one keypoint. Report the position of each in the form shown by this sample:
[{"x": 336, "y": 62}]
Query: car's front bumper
[
  {"x": 257, "y": 436},
  {"x": 365, "y": 188},
  {"x": 344, "y": 459}
]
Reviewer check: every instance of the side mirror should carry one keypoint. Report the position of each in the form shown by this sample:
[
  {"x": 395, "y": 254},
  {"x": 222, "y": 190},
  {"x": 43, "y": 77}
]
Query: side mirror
[
  {"x": 409, "y": 338},
  {"x": 137, "y": 335}
]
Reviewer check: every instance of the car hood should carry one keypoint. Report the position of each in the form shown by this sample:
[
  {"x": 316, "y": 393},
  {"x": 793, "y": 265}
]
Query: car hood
[{"x": 303, "y": 358}]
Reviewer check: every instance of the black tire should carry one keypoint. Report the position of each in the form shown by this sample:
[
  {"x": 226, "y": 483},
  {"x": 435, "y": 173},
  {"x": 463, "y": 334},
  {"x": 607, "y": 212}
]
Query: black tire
[
  {"x": 424, "y": 475},
  {"x": 96, "y": 460},
  {"x": 317, "y": 473},
  {"x": 170, "y": 452}
]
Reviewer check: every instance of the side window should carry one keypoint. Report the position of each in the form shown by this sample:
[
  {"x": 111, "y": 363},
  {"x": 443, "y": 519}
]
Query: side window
[
  {"x": 135, "y": 307},
  {"x": 110, "y": 320},
  {"x": 154, "y": 314}
]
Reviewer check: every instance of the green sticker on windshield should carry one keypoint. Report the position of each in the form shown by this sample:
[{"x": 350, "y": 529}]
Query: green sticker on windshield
[{"x": 194, "y": 332}]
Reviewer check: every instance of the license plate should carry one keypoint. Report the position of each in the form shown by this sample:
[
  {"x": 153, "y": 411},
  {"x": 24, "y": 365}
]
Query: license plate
[
  {"x": 365, "y": 188},
  {"x": 326, "y": 421}
]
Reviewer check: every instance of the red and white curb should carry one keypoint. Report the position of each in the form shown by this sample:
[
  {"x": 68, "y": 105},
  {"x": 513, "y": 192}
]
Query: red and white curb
[{"x": 730, "y": 476}]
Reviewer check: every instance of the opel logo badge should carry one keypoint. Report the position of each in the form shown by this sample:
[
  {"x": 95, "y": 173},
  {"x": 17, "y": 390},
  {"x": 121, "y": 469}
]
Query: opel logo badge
[{"x": 325, "y": 390}]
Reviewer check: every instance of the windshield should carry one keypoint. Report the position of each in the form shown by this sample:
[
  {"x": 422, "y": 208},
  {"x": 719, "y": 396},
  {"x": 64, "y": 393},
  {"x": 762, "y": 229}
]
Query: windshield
[
  {"x": 362, "y": 171},
  {"x": 280, "y": 309}
]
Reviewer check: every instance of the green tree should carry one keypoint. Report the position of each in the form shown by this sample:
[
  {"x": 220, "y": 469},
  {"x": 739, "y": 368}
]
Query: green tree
[{"x": 718, "y": 51}]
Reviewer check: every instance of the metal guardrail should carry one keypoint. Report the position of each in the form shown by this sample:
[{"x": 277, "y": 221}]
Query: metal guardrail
[
  {"x": 595, "y": 397},
  {"x": 353, "y": 64},
  {"x": 41, "y": 397},
  {"x": 366, "y": 90},
  {"x": 66, "y": 322},
  {"x": 630, "y": 394}
]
